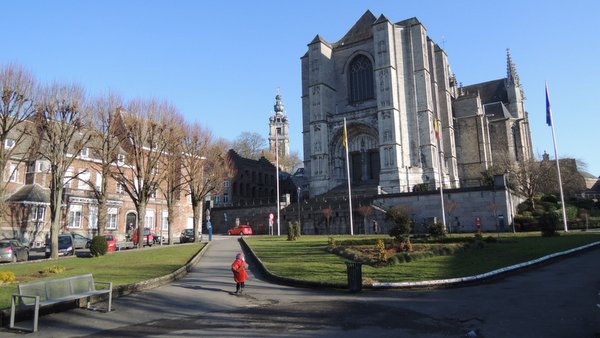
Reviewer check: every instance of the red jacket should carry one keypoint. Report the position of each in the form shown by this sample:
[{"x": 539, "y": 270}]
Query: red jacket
[{"x": 239, "y": 271}]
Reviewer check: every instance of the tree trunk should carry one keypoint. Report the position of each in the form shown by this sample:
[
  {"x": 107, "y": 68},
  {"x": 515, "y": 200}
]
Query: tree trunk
[
  {"x": 197, "y": 210},
  {"x": 55, "y": 218},
  {"x": 170, "y": 217},
  {"x": 141, "y": 214}
]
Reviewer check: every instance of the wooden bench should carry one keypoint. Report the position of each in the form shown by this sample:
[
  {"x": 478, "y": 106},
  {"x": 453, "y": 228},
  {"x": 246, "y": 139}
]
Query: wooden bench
[{"x": 39, "y": 294}]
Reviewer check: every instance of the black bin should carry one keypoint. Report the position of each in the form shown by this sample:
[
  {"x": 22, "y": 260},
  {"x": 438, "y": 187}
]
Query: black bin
[{"x": 354, "y": 271}]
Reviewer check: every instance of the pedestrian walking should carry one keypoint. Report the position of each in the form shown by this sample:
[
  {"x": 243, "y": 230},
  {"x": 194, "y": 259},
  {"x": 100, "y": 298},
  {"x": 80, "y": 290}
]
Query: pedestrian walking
[{"x": 240, "y": 275}]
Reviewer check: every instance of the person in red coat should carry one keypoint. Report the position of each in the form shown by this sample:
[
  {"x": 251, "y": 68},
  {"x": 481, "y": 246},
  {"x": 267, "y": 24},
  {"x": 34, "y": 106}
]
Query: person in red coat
[{"x": 240, "y": 275}]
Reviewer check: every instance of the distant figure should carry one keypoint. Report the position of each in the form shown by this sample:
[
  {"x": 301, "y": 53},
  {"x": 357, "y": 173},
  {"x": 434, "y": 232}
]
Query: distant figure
[
  {"x": 375, "y": 227},
  {"x": 240, "y": 275}
]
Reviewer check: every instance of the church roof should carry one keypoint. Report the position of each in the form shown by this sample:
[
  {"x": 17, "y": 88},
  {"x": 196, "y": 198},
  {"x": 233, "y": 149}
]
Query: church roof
[
  {"x": 489, "y": 92},
  {"x": 361, "y": 30},
  {"x": 496, "y": 111},
  {"x": 30, "y": 193}
]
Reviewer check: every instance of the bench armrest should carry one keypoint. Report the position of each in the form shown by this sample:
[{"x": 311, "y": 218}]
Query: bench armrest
[{"x": 13, "y": 306}]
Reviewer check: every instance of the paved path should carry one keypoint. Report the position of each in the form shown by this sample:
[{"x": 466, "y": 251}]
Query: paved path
[{"x": 555, "y": 300}]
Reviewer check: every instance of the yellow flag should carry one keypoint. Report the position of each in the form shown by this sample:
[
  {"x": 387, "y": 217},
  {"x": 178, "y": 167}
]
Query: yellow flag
[{"x": 345, "y": 136}]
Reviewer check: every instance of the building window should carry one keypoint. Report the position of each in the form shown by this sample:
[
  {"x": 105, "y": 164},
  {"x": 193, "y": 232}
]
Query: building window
[
  {"x": 360, "y": 79},
  {"x": 165, "y": 220},
  {"x": 93, "y": 219},
  {"x": 9, "y": 143},
  {"x": 84, "y": 153},
  {"x": 119, "y": 188},
  {"x": 120, "y": 159},
  {"x": 150, "y": 219},
  {"x": 38, "y": 214},
  {"x": 99, "y": 182},
  {"x": 84, "y": 180},
  {"x": 68, "y": 178},
  {"x": 13, "y": 172},
  {"x": 75, "y": 216},
  {"x": 112, "y": 218}
]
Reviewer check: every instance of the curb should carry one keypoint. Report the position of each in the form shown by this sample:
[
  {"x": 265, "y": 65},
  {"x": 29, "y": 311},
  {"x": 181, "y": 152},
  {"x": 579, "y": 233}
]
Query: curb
[{"x": 440, "y": 283}]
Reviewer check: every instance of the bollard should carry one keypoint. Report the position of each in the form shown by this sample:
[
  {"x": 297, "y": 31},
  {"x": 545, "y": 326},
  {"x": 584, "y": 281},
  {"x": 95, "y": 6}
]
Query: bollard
[{"x": 354, "y": 271}]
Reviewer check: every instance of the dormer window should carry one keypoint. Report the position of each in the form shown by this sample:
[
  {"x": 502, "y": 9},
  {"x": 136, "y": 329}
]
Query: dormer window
[
  {"x": 9, "y": 143},
  {"x": 120, "y": 159},
  {"x": 84, "y": 153}
]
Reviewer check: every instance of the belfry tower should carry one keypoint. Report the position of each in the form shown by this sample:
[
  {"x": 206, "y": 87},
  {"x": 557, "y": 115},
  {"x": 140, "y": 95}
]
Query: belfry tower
[{"x": 279, "y": 128}]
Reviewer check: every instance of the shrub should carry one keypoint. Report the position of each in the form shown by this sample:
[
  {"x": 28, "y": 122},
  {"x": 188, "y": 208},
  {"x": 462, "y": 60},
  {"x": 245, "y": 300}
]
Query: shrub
[
  {"x": 331, "y": 242},
  {"x": 7, "y": 277},
  {"x": 400, "y": 215},
  {"x": 293, "y": 230},
  {"x": 437, "y": 230},
  {"x": 381, "y": 252},
  {"x": 549, "y": 199},
  {"x": 98, "y": 247},
  {"x": 549, "y": 223},
  {"x": 422, "y": 187},
  {"x": 52, "y": 269}
]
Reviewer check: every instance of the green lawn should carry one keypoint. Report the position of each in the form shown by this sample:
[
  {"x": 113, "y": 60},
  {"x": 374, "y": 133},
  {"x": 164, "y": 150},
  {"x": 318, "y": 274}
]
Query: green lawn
[
  {"x": 307, "y": 259},
  {"x": 121, "y": 268}
]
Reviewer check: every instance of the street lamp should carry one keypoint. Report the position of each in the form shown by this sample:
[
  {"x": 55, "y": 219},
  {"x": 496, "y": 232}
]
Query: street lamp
[{"x": 299, "y": 205}]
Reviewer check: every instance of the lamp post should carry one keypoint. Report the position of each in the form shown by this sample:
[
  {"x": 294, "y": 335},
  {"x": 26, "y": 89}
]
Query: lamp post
[{"x": 299, "y": 205}]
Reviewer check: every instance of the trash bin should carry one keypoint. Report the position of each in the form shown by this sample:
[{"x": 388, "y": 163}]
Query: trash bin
[{"x": 354, "y": 271}]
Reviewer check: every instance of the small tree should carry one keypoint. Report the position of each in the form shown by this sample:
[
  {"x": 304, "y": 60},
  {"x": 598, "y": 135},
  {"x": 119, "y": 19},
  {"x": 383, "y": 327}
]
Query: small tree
[
  {"x": 365, "y": 211},
  {"x": 327, "y": 212},
  {"x": 400, "y": 215}
]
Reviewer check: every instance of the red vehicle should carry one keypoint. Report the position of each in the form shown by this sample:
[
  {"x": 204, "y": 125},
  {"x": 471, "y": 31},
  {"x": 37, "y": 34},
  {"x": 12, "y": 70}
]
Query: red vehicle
[
  {"x": 242, "y": 229},
  {"x": 111, "y": 240},
  {"x": 148, "y": 237}
]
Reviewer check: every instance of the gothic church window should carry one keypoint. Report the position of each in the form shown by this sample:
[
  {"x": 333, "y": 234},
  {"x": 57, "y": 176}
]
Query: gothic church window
[{"x": 360, "y": 79}]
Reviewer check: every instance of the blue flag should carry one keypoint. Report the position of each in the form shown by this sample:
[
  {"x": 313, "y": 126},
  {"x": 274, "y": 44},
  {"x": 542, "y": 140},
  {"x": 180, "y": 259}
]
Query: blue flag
[{"x": 548, "y": 111}]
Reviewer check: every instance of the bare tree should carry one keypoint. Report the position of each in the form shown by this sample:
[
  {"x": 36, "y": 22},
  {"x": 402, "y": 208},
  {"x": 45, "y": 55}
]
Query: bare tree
[
  {"x": 171, "y": 169},
  {"x": 16, "y": 108},
  {"x": 144, "y": 124},
  {"x": 288, "y": 163},
  {"x": 365, "y": 211},
  {"x": 529, "y": 176},
  {"x": 205, "y": 168},
  {"x": 63, "y": 131},
  {"x": 250, "y": 145},
  {"x": 104, "y": 147}
]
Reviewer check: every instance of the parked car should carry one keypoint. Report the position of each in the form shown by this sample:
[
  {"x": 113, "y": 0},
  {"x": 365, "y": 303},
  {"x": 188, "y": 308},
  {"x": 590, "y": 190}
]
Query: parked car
[
  {"x": 12, "y": 250},
  {"x": 111, "y": 240},
  {"x": 148, "y": 237},
  {"x": 80, "y": 241},
  {"x": 66, "y": 246},
  {"x": 187, "y": 236},
  {"x": 158, "y": 238},
  {"x": 242, "y": 229}
]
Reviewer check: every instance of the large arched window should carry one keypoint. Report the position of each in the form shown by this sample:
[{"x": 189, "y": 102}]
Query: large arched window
[{"x": 360, "y": 79}]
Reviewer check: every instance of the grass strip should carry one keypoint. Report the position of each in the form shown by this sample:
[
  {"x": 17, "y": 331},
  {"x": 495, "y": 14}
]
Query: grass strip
[
  {"x": 121, "y": 268},
  {"x": 308, "y": 259}
]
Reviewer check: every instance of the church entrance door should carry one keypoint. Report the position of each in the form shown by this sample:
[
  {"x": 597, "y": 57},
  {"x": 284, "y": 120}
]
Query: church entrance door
[{"x": 356, "y": 167}]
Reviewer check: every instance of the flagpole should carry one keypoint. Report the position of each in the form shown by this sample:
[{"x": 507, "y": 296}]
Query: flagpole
[
  {"x": 345, "y": 140},
  {"x": 549, "y": 121},
  {"x": 277, "y": 178},
  {"x": 437, "y": 130}
]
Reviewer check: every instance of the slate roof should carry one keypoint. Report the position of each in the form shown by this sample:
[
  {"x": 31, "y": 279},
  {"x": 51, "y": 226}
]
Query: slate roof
[
  {"x": 361, "y": 30},
  {"x": 489, "y": 92},
  {"x": 30, "y": 193}
]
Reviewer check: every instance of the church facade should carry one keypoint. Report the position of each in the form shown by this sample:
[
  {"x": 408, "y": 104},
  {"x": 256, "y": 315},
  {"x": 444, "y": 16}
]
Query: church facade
[{"x": 407, "y": 118}]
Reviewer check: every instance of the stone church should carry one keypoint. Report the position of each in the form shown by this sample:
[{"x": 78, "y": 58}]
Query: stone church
[{"x": 406, "y": 114}]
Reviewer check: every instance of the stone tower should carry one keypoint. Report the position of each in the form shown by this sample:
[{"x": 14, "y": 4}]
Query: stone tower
[
  {"x": 279, "y": 129},
  {"x": 391, "y": 82}
]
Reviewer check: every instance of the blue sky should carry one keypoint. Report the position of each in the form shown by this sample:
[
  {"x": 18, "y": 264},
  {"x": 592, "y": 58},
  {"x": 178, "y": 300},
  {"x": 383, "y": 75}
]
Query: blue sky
[{"x": 221, "y": 62}]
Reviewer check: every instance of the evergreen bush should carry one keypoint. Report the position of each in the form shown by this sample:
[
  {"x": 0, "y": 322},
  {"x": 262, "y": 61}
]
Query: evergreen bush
[
  {"x": 549, "y": 224},
  {"x": 98, "y": 246}
]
